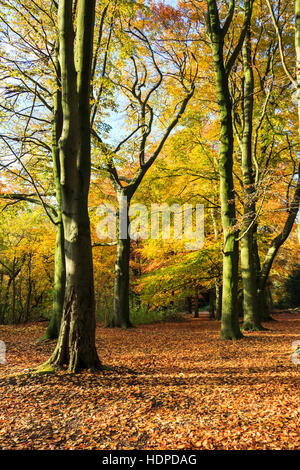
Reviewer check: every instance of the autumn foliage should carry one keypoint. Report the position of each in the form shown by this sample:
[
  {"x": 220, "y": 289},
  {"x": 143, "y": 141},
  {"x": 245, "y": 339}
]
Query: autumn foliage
[
  {"x": 130, "y": 342},
  {"x": 170, "y": 386}
]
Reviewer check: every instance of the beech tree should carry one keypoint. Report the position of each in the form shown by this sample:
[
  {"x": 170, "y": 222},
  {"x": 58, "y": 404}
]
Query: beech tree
[
  {"x": 31, "y": 71},
  {"x": 248, "y": 259},
  {"x": 76, "y": 343},
  {"x": 59, "y": 261},
  {"x": 151, "y": 69},
  {"x": 246, "y": 131},
  {"x": 217, "y": 31}
]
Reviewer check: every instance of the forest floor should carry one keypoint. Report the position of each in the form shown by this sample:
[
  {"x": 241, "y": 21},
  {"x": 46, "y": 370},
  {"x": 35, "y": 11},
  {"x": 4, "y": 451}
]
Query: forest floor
[{"x": 171, "y": 386}]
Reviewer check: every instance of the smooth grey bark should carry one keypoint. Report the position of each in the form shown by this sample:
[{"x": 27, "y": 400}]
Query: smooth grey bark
[
  {"x": 218, "y": 282},
  {"x": 189, "y": 304},
  {"x": 76, "y": 348},
  {"x": 53, "y": 328},
  {"x": 12, "y": 274},
  {"x": 121, "y": 286},
  {"x": 13, "y": 307},
  {"x": 197, "y": 304},
  {"x": 248, "y": 259},
  {"x": 212, "y": 298},
  {"x": 230, "y": 328},
  {"x": 121, "y": 313},
  {"x": 4, "y": 299},
  {"x": 218, "y": 295},
  {"x": 52, "y": 331},
  {"x": 29, "y": 291}
]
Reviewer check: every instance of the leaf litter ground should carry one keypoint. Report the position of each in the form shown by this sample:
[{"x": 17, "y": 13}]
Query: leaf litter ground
[{"x": 170, "y": 386}]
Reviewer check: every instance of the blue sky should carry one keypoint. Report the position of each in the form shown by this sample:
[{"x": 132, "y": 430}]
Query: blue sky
[{"x": 171, "y": 2}]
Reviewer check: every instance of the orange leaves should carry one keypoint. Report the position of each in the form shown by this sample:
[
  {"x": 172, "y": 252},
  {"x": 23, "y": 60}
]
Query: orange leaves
[{"x": 170, "y": 386}]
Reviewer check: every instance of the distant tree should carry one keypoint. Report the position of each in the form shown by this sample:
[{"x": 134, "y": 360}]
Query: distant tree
[
  {"x": 292, "y": 289},
  {"x": 147, "y": 73}
]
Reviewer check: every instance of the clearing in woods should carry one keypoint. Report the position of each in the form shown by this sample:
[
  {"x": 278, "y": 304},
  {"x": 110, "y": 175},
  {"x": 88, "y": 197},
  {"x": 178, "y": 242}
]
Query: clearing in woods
[{"x": 170, "y": 386}]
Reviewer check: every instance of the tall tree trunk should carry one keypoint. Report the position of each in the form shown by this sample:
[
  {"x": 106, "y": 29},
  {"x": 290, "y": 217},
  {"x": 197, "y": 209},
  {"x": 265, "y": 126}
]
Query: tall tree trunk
[
  {"x": 4, "y": 317},
  {"x": 59, "y": 260},
  {"x": 218, "y": 282},
  {"x": 262, "y": 309},
  {"x": 13, "y": 306},
  {"x": 197, "y": 304},
  {"x": 76, "y": 343},
  {"x": 229, "y": 323},
  {"x": 248, "y": 259},
  {"x": 189, "y": 304},
  {"x": 218, "y": 300},
  {"x": 121, "y": 313},
  {"x": 29, "y": 290},
  {"x": 52, "y": 331},
  {"x": 2, "y": 304},
  {"x": 230, "y": 328},
  {"x": 212, "y": 311}
]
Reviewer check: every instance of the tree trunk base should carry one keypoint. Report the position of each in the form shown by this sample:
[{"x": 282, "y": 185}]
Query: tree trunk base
[
  {"x": 230, "y": 335},
  {"x": 73, "y": 360},
  {"x": 48, "y": 336},
  {"x": 52, "y": 331},
  {"x": 249, "y": 326},
  {"x": 45, "y": 339},
  {"x": 125, "y": 325},
  {"x": 53, "y": 366},
  {"x": 268, "y": 318}
]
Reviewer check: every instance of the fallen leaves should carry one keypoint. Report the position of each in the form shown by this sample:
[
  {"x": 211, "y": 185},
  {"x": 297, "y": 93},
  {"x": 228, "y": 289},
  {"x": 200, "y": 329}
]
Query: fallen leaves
[{"x": 171, "y": 386}]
